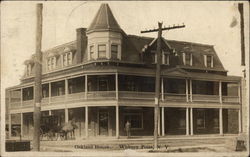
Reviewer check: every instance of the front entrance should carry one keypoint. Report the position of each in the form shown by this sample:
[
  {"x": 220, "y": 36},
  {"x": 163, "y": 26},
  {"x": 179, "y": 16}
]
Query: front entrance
[{"x": 103, "y": 123}]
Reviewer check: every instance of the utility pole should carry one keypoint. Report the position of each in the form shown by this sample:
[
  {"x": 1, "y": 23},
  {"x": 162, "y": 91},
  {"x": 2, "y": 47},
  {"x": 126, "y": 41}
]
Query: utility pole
[
  {"x": 158, "y": 76},
  {"x": 38, "y": 78}
]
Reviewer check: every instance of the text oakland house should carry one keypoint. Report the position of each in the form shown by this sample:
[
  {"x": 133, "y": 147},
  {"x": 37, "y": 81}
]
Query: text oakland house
[{"x": 107, "y": 77}]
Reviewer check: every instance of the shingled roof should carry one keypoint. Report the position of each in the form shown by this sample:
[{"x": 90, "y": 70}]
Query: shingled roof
[{"x": 104, "y": 20}]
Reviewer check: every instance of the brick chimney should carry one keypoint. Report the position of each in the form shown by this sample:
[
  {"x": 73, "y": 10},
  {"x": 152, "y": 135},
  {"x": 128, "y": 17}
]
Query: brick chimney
[{"x": 81, "y": 44}]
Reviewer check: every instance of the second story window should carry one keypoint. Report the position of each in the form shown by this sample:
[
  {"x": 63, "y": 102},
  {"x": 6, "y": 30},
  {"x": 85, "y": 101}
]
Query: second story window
[
  {"x": 208, "y": 61},
  {"x": 101, "y": 51},
  {"x": 67, "y": 59},
  {"x": 187, "y": 59},
  {"x": 91, "y": 52},
  {"x": 51, "y": 63},
  {"x": 114, "y": 51}
]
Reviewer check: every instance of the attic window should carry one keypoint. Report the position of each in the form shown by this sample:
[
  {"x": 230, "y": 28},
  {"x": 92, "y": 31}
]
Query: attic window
[
  {"x": 67, "y": 58},
  {"x": 28, "y": 69},
  {"x": 165, "y": 58},
  {"x": 208, "y": 61},
  {"x": 187, "y": 59},
  {"x": 102, "y": 51},
  {"x": 51, "y": 63}
]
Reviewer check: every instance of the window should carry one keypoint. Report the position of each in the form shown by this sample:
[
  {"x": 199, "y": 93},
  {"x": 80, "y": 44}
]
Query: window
[
  {"x": 91, "y": 52},
  {"x": 208, "y": 61},
  {"x": 28, "y": 69},
  {"x": 67, "y": 59},
  {"x": 114, "y": 51},
  {"x": 200, "y": 121},
  {"x": 101, "y": 51},
  {"x": 187, "y": 59},
  {"x": 165, "y": 59},
  {"x": 51, "y": 63},
  {"x": 135, "y": 119}
]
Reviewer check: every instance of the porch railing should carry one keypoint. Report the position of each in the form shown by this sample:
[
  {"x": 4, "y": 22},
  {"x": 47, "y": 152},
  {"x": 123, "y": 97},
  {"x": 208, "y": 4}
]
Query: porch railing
[
  {"x": 230, "y": 99},
  {"x": 101, "y": 95},
  {"x": 175, "y": 97},
  {"x": 59, "y": 98},
  {"x": 206, "y": 98},
  {"x": 45, "y": 101},
  {"x": 28, "y": 103},
  {"x": 136, "y": 95},
  {"x": 15, "y": 104},
  {"x": 76, "y": 96}
]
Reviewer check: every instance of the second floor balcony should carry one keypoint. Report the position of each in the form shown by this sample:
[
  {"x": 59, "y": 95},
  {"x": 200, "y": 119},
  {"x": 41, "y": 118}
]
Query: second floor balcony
[{"x": 128, "y": 87}]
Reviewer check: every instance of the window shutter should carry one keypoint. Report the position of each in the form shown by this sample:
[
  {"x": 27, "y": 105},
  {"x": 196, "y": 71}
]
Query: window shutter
[{"x": 191, "y": 59}]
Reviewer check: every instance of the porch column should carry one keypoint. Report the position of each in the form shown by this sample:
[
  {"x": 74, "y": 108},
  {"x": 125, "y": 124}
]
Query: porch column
[
  {"x": 86, "y": 121},
  {"x": 162, "y": 89},
  {"x": 21, "y": 124},
  {"x": 86, "y": 86},
  {"x": 49, "y": 112},
  {"x": 162, "y": 122},
  {"x": 66, "y": 89},
  {"x": 187, "y": 90},
  {"x": 187, "y": 121},
  {"x": 239, "y": 92},
  {"x": 21, "y": 97},
  {"x": 239, "y": 114},
  {"x": 191, "y": 121},
  {"x": 159, "y": 122},
  {"x": 9, "y": 125},
  {"x": 221, "y": 121},
  {"x": 116, "y": 86},
  {"x": 191, "y": 91},
  {"x": 66, "y": 115},
  {"x": 49, "y": 92},
  {"x": 117, "y": 121},
  {"x": 220, "y": 91}
]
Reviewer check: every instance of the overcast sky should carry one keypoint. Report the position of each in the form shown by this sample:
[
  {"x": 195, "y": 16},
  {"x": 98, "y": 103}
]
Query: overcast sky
[{"x": 215, "y": 23}]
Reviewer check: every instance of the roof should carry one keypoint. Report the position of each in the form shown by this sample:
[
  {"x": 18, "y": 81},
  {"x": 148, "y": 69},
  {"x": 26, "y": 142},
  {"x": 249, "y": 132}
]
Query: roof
[
  {"x": 197, "y": 50},
  {"x": 104, "y": 20}
]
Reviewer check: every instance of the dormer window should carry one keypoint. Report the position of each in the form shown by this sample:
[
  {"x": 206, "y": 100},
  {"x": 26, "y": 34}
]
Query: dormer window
[
  {"x": 165, "y": 59},
  {"x": 51, "y": 63},
  {"x": 102, "y": 51},
  {"x": 28, "y": 69},
  {"x": 208, "y": 61},
  {"x": 91, "y": 52},
  {"x": 67, "y": 58},
  {"x": 187, "y": 59},
  {"x": 114, "y": 51}
]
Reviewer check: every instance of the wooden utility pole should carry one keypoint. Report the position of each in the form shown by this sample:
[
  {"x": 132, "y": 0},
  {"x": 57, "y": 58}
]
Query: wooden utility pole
[
  {"x": 158, "y": 76},
  {"x": 38, "y": 78},
  {"x": 241, "y": 10}
]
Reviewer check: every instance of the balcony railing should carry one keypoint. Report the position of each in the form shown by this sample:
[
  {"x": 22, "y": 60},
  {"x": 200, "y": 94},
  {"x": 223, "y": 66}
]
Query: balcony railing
[
  {"x": 59, "y": 98},
  {"x": 15, "y": 104},
  {"x": 206, "y": 98},
  {"x": 101, "y": 95},
  {"x": 136, "y": 95},
  {"x": 28, "y": 103},
  {"x": 76, "y": 96},
  {"x": 45, "y": 101},
  {"x": 175, "y": 97},
  {"x": 230, "y": 99}
]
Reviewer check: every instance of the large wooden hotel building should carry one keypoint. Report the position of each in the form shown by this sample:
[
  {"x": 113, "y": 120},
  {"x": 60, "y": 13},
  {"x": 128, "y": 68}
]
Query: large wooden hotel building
[{"x": 107, "y": 77}]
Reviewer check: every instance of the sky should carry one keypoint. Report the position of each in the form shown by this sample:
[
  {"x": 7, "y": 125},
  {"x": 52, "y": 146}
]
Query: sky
[{"x": 215, "y": 23}]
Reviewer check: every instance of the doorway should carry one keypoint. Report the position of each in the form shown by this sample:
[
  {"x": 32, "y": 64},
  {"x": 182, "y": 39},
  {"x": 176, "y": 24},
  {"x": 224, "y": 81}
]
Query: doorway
[{"x": 103, "y": 123}]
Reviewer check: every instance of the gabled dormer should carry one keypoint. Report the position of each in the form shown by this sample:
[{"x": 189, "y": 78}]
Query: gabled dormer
[{"x": 104, "y": 36}]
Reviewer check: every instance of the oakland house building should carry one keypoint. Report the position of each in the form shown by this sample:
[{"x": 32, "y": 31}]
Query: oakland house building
[{"x": 106, "y": 77}]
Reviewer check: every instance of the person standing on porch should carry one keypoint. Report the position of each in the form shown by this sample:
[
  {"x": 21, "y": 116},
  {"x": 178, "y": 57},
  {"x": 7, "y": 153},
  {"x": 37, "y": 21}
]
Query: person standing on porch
[{"x": 127, "y": 128}]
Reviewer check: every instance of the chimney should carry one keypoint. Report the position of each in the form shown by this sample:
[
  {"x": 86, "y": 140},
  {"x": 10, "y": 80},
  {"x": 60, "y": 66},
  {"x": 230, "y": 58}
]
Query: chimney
[{"x": 81, "y": 44}]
